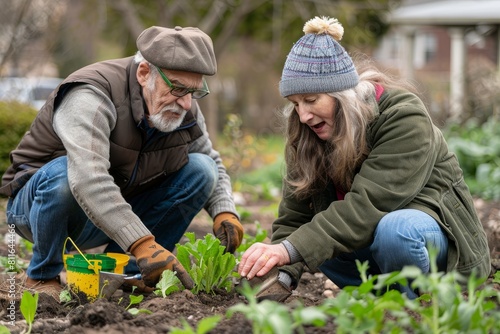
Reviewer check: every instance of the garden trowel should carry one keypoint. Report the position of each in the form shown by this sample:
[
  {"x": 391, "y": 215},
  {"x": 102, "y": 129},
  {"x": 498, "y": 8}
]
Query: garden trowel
[{"x": 110, "y": 282}]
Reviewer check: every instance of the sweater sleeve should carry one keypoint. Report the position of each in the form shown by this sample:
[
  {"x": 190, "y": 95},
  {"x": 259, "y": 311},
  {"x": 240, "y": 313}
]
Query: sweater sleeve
[
  {"x": 222, "y": 197},
  {"x": 396, "y": 170},
  {"x": 84, "y": 121}
]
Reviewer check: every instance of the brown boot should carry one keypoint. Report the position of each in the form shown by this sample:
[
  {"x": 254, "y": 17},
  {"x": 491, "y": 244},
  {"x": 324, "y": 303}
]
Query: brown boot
[
  {"x": 51, "y": 287},
  {"x": 13, "y": 286}
]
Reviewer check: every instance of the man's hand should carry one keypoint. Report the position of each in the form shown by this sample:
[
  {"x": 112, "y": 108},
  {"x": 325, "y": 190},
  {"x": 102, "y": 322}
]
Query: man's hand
[
  {"x": 153, "y": 259},
  {"x": 228, "y": 229}
]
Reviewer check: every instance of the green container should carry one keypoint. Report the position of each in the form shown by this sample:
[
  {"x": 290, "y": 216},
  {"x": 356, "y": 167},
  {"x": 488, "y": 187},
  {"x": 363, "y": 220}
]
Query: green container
[{"x": 101, "y": 262}]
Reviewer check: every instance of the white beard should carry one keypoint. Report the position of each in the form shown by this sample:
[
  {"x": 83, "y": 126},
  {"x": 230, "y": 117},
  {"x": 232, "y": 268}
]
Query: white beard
[{"x": 167, "y": 124}]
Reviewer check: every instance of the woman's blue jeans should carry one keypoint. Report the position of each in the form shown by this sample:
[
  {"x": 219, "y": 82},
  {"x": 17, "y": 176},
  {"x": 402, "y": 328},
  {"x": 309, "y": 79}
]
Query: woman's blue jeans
[
  {"x": 45, "y": 212},
  {"x": 402, "y": 238}
]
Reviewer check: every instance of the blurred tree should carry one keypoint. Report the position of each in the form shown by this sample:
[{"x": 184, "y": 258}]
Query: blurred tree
[
  {"x": 251, "y": 39},
  {"x": 24, "y": 24}
]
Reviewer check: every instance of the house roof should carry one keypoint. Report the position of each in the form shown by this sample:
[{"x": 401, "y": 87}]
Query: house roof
[{"x": 454, "y": 12}]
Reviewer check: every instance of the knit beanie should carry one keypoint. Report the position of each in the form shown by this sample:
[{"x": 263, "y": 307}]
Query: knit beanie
[{"x": 317, "y": 62}]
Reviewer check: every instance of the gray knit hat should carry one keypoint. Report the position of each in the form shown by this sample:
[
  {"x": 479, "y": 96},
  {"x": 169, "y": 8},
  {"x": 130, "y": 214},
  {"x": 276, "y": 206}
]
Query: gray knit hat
[
  {"x": 317, "y": 63},
  {"x": 180, "y": 49}
]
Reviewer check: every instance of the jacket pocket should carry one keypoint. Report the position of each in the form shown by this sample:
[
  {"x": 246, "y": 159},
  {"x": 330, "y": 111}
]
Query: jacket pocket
[{"x": 471, "y": 242}]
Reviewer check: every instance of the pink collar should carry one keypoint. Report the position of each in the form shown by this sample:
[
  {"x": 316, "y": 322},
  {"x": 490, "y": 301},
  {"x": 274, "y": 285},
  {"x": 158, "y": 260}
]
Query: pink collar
[{"x": 378, "y": 91}]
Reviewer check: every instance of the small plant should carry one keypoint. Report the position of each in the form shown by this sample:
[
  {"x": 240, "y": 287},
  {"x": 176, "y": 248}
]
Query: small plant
[
  {"x": 12, "y": 264},
  {"x": 267, "y": 317},
  {"x": 496, "y": 277},
  {"x": 65, "y": 296},
  {"x": 477, "y": 147},
  {"x": 133, "y": 301},
  {"x": 28, "y": 306},
  {"x": 168, "y": 284},
  {"x": 204, "y": 326},
  {"x": 206, "y": 263},
  {"x": 308, "y": 316}
]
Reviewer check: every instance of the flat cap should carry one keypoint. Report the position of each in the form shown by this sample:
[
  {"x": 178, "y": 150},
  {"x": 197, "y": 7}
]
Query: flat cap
[{"x": 180, "y": 49}]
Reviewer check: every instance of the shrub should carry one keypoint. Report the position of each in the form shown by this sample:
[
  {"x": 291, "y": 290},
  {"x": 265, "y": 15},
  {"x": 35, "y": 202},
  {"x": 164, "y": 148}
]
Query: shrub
[
  {"x": 15, "y": 120},
  {"x": 478, "y": 149}
]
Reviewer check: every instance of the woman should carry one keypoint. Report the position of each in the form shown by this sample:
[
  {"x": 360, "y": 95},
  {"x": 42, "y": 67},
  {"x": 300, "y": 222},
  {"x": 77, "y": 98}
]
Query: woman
[{"x": 369, "y": 177}]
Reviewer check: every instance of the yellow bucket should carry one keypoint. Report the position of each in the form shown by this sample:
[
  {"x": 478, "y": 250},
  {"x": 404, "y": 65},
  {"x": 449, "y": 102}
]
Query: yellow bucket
[{"x": 82, "y": 270}]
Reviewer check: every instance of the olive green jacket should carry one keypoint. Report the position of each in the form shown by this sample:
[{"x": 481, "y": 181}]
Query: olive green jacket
[{"x": 409, "y": 166}]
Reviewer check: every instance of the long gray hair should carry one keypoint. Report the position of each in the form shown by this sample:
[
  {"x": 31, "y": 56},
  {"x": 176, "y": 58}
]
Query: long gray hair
[{"x": 312, "y": 163}]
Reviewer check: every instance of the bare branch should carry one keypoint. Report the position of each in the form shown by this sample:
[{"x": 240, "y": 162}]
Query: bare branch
[
  {"x": 130, "y": 16},
  {"x": 13, "y": 43},
  {"x": 214, "y": 16},
  {"x": 230, "y": 25}
]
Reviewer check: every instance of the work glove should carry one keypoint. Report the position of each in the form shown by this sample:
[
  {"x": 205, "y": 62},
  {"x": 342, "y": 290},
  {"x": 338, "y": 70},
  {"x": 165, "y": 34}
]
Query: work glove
[
  {"x": 270, "y": 286},
  {"x": 228, "y": 229},
  {"x": 153, "y": 259}
]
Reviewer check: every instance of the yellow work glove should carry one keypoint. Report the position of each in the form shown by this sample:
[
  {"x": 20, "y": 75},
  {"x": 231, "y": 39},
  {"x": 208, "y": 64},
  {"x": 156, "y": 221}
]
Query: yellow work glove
[
  {"x": 228, "y": 229},
  {"x": 153, "y": 259}
]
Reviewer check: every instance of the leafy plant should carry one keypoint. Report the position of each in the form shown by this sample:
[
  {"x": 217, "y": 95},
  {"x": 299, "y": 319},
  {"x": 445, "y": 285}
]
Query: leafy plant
[
  {"x": 168, "y": 284},
  {"x": 28, "y": 306},
  {"x": 204, "y": 326},
  {"x": 478, "y": 150},
  {"x": 496, "y": 277},
  {"x": 206, "y": 263},
  {"x": 12, "y": 264},
  {"x": 266, "y": 317},
  {"x": 136, "y": 300},
  {"x": 375, "y": 307},
  {"x": 65, "y": 296},
  {"x": 308, "y": 316}
]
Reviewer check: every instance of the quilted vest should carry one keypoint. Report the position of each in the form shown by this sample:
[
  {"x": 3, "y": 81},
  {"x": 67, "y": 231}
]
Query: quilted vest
[{"x": 136, "y": 164}]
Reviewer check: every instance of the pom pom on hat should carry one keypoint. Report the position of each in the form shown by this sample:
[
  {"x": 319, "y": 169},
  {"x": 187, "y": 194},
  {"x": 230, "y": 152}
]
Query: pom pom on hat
[
  {"x": 179, "y": 49},
  {"x": 317, "y": 63}
]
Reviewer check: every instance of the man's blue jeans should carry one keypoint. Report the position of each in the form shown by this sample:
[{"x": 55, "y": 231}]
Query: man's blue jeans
[
  {"x": 402, "y": 238},
  {"x": 45, "y": 212}
]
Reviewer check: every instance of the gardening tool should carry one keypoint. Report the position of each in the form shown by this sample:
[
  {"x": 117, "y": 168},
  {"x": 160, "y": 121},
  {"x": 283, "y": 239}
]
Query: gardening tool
[
  {"x": 110, "y": 282},
  {"x": 270, "y": 287}
]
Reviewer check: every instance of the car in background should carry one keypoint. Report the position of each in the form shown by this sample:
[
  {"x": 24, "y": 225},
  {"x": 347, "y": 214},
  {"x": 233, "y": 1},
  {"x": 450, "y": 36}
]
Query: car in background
[{"x": 32, "y": 91}]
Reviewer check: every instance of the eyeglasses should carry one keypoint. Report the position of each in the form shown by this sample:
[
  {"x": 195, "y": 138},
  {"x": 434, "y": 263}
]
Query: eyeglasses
[{"x": 180, "y": 91}]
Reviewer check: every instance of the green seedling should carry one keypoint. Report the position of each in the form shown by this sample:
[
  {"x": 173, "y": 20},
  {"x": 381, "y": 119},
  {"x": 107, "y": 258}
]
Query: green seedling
[
  {"x": 204, "y": 326},
  {"x": 168, "y": 284},
  {"x": 133, "y": 301},
  {"x": 28, "y": 306},
  {"x": 206, "y": 263},
  {"x": 496, "y": 277},
  {"x": 65, "y": 296},
  {"x": 267, "y": 317},
  {"x": 104, "y": 284},
  {"x": 12, "y": 264}
]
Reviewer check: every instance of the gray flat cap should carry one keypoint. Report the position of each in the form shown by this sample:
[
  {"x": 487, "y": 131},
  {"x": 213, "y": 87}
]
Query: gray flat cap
[{"x": 180, "y": 49}]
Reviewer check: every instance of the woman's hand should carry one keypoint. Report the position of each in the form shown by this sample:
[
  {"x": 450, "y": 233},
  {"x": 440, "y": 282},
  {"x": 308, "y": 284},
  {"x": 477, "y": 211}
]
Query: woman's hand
[{"x": 260, "y": 258}]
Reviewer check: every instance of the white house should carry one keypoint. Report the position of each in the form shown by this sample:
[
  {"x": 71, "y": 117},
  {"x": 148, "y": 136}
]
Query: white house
[{"x": 439, "y": 37}]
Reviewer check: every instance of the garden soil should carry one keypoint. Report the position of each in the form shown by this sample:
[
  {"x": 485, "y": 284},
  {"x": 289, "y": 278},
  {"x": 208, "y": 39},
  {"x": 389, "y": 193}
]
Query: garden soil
[{"x": 110, "y": 316}]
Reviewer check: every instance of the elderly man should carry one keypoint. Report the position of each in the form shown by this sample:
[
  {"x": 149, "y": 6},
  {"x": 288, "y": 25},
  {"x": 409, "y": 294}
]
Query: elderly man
[{"x": 120, "y": 155}]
